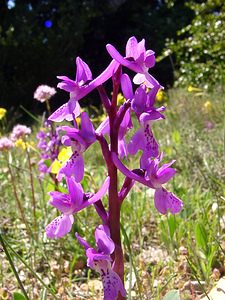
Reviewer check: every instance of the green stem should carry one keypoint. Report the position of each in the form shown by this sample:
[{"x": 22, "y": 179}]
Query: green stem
[
  {"x": 13, "y": 267},
  {"x": 20, "y": 207},
  {"x": 32, "y": 190},
  {"x": 48, "y": 107}
]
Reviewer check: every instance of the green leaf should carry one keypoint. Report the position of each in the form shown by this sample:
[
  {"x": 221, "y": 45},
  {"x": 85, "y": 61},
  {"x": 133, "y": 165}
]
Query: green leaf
[
  {"x": 172, "y": 295},
  {"x": 172, "y": 225},
  {"x": 201, "y": 238},
  {"x": 18, "y": 296},
  {"x": 176, "y": 137}
]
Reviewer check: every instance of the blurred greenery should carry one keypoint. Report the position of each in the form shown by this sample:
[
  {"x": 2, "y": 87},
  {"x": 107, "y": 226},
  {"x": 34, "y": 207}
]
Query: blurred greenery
[
  {"x": 33, "y": 54},
  {"x": 199, "y": 49}
]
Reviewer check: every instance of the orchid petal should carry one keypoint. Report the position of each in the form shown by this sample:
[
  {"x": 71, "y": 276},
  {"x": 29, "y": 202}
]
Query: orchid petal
[
  {"x": 75, "y": 191},
  {"x": 63, "y": 113},
  {"x": 73, "y": 167},
  {"x": 139, "y": 78},
  {"x": 87, "y": 128},
  {"x": 136, "y": 142},
  {"x": 60, "y": 226},
  {"x": 103, "y": 240},
  {"x": 165, "y": 175},
  {"x": 126, "y": 86},
  {"x": 131, "y": 48},
  {"x": 67, "y": 84},
  {"x": 165, "y": 200},
  {"x": 112, "y": 285},
  {"x": 152, "y": 115},
  {"x": 151, "y": 146},
  {"x": 151, "y": 96},
  {"x": 124, "y": 62},
  {"x": 122, "y": 148},
  {"x": 60, "y": 201},
  {"x": 82, "y": 241},
  {"x": 60, "y": 114},
  {"x": 129, "y": 173},
  {"x": 150, "y": 59},
  {"x": 139, "y": 103},
  {"x": 103, "y": 127},
  {"x": 83, "y": 71}
]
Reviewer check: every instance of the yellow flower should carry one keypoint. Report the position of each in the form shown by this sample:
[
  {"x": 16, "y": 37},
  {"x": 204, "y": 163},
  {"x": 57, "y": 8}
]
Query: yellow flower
[
  {"x": 3, "y": 112},
  {"x": 120, "y": 99},
  {"x": 207, "y": 106},
  {"x": 161, "y": 96},
  {"x": 21, "y": 144},
  {"x": 193, "y": 89},
  {"x": 63, "y": 156}
]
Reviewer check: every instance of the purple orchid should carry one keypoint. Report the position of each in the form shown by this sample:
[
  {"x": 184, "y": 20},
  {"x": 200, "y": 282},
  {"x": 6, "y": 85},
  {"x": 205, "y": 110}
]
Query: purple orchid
[
  {"x": 164, "y": 200},
  {"x": 154, "y": 177},
  {"x": 79, "y": 140},
  {"x": 79, "y": 88},
  {"x": 49, "y": 144},
  {"x": 137, "y": 59},
  {"x": 125, "y": 126},
  {"x": 142, "y": 103},
  {"x": 70, "y": 204},
  {"x": 107, "y": 257},
  {"x": 100, "y": 261}
]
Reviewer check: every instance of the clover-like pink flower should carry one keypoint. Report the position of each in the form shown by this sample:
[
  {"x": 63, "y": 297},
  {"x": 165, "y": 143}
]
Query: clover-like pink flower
[
  {"x": 5, "y": 144},
  {"x": 19, "y": 131},
  {"x": 44, "y": 92}
]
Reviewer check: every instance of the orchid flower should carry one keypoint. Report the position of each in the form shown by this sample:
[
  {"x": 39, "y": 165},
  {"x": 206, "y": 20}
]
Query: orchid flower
[
  {"x": 79, "y": 88},
  {"x": 70, "y": 204},
  {"x": 154, "y": 177},
  {"x": 142, "y": 103},
  {"x": 100, "y": 261},
  {"x": 79, "y": 141},
  {"x": 137, "y": 59},
  {"x": 164, "y": 200}
]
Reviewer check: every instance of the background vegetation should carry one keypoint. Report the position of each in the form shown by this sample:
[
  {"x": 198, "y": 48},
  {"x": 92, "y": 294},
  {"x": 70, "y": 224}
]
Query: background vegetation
[
  {"x": 40, "y": 40},
  {"x": 187, "y": 36}
]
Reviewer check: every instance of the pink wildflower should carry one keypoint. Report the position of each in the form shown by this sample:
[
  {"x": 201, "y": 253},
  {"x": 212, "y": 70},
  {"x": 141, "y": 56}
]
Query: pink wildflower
[
  {"x": 5, "y": 144},
  {"x": 19, "y": 131},
  {"x": 44, "y": 92}
]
